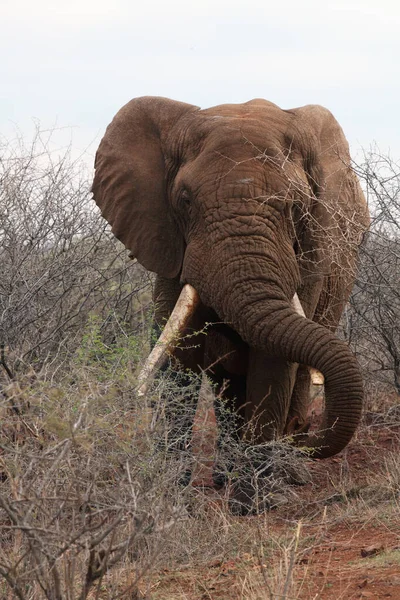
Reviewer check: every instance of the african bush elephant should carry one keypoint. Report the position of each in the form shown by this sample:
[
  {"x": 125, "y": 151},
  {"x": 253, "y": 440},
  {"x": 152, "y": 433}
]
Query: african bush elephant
[{"x": 256, "y": 208}]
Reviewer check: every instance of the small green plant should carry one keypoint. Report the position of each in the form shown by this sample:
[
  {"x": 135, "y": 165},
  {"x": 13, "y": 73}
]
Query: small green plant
[{"x": 111, "y": 357}]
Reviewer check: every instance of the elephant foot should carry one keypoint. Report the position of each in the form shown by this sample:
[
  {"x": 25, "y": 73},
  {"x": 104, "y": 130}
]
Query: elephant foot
[
  {"x": 185, "y": 478},
  {"x": 178, "y": 466},
  {"x": 297, "y": 428},
  {"x": 261, "y": 477},
  {"x": 222, "y": 475},
  {"x": 251, "y": 497}
]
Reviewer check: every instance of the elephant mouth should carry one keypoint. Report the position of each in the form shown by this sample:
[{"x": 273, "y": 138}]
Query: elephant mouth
[{"x": 184, "y": 308}]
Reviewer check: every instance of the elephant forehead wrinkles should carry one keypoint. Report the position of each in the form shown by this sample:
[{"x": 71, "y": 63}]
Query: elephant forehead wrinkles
[
  {"x": 244, "y": 180},
  {"x": 218, "y": 117},
  {"x": 222, "y": 225}
]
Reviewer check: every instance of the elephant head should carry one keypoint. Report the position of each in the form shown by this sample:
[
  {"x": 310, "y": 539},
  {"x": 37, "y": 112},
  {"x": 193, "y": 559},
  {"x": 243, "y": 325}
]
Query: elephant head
[{"x": 248, "y": 204}]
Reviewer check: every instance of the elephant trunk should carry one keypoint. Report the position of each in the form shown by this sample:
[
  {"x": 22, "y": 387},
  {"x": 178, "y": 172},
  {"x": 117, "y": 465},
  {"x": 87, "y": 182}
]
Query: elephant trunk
[{"x": 259, "y": 309}]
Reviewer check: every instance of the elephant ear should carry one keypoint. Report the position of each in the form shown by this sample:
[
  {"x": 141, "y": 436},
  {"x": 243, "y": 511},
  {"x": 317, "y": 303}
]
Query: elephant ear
[
  {"x": 326, "y": 155},
  {"x": 130, "y": 182},
  {"x": 327, "y": 163}
]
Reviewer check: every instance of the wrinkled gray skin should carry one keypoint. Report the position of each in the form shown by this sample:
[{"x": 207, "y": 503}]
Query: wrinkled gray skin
[{"x": 249, "y": 204}]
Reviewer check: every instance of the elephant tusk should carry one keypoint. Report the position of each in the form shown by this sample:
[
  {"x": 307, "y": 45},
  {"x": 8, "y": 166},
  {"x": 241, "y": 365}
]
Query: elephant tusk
[
  {"x": 297, "y": 306},
  {"x": 168, "y": 340},
  {"x": 316, "y": 376}
]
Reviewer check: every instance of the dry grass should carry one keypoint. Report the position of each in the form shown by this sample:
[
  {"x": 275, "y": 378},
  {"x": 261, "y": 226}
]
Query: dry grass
[
  {"x": 85, "y": 485},
  {"x": 92, "y": 506}
]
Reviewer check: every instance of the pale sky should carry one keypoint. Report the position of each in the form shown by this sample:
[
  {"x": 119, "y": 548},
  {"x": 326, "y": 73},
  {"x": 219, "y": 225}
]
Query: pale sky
[{"x": 73, "y": 63}]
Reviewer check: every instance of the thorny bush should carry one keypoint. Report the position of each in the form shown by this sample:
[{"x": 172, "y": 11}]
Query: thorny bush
[
  {"x": 372, "y": 320},
  {"x": 59, "y": 262}
]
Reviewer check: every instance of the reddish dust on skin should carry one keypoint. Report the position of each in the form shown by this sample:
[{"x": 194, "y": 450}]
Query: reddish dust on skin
[{"x": 344, "y": 553}]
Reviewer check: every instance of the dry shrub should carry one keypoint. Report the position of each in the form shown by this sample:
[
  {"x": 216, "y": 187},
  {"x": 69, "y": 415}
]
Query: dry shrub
[
  {"x": 86, "y": 482},
  {"x": 372, "y": 320},
  {"x": 59, "y": 261},
  {"x": 93, "y": 485}
]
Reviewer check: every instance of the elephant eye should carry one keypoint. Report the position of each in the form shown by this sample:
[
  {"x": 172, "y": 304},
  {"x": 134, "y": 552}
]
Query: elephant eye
[{"x": 185, "y": 197}]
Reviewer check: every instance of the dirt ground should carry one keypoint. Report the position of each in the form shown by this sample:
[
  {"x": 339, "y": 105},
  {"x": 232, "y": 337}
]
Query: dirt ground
[{"x": 338, "y": 539}]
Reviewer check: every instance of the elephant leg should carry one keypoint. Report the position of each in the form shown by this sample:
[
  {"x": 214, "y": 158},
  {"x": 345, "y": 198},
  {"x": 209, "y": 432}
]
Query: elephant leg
[
  {"x": 226, "y": 358},
  {"x": 270, "y": 383},
  {"x": 254, "y": 486},
  {"x": 300, "y": 401},
  {"x": 230, "y": 397},
  {"x": 178, "y": 407}
]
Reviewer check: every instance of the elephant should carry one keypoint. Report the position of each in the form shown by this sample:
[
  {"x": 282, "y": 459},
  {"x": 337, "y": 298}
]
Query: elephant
[{"x": 256, "y": 209}]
